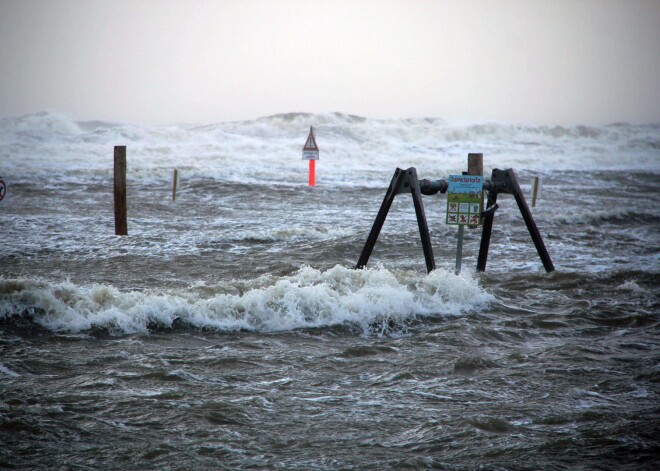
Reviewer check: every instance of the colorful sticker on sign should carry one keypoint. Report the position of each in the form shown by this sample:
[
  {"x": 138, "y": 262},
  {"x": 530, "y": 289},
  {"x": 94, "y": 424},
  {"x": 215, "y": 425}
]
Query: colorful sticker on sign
[{"x": 464, "y": 200}]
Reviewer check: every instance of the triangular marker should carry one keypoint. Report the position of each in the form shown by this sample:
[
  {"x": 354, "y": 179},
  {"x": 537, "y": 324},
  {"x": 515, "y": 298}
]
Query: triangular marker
[{"x": 311, "y": 141}]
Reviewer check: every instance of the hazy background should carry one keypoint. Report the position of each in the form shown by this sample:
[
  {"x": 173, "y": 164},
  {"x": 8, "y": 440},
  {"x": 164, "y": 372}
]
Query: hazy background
[{"x": 158, "y": 61}]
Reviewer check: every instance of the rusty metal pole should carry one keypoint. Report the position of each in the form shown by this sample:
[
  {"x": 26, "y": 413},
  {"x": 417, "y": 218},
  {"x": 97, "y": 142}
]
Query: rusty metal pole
[
  {"x": 421, "y": 220},
  {"x": 486, "y": 231},
  {"x": 380, "y": 218}
]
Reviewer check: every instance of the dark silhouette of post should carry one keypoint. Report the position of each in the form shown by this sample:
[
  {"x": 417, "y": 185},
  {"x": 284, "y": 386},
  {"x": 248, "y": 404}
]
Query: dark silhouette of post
[
  {"x": 535, "y": 191},
  {"x": 380, "y": 218},
  {"x": 174, "y": 179},
  {"x": 486, "y": 231},
  {"x": 121, "y": 227},
  {"x": 403, "y": 181},
  {"x": 505, "y": 181},
  {"x": 531, "y": 225}
]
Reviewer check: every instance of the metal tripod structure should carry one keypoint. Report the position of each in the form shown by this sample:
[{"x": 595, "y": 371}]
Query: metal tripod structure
[
  {"x": 403, "y": 181},
  {"x": 502, "y": 181}
]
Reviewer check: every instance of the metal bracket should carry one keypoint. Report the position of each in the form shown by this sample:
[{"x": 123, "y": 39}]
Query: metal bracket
[{"x": 490, "y": 211}]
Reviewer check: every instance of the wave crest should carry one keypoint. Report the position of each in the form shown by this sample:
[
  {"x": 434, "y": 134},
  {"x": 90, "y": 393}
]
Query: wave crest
[{"x": 308, "y": 298}]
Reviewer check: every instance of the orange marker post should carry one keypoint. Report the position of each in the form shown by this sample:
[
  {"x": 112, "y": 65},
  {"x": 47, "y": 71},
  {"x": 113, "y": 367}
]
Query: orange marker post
[
  {"x": 312, "y": 172},
  {"x": 311, "y": 153}
]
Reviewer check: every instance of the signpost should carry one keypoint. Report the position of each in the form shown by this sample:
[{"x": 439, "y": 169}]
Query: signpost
[
  {"x": 464, "y": 206},
  {"x": 311, "y": 153}
]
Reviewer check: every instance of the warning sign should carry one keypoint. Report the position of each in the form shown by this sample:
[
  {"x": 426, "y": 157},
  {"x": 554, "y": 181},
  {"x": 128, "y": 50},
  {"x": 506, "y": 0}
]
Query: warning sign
[
  {"x": 464, "y": 200},
  {"x": 310, "y": 150}
]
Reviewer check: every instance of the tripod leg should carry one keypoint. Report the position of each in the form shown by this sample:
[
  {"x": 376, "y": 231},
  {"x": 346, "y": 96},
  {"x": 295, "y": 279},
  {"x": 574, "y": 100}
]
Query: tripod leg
[
  {"x": 486, "y": 232},
  {"x": 421, "y": 220},
  {"x": 531, "y": 225},
  {"x": 380, "y": 218}
]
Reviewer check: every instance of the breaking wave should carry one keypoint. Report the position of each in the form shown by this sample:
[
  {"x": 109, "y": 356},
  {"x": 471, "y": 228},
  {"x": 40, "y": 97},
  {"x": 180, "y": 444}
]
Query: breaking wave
[{"x": 369, "y": 299}]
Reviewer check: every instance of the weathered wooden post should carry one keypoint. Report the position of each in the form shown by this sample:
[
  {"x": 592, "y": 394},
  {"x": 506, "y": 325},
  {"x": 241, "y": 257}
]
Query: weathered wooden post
[
  {"x": 476, "y": 168},
  {"x": 121, "y": 227},
  {"x": 476, "y": 164},
  {"x": 174, "y": 178},
  {"x": 535, "y": 191}
]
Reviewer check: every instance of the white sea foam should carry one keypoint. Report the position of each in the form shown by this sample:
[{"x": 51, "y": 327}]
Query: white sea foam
[
  {"x": 354, "y": 150},
  {"x": 8, "y": 372},
  {"x": 308, "y": 298},
  {"x": 632, "y": 286}
]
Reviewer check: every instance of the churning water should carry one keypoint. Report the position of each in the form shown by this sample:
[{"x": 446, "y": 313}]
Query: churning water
[{"x": 230, "y": 330}]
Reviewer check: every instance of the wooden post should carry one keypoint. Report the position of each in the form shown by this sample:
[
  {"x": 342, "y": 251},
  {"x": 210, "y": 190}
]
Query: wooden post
[
  {"x": 476, "y": 164},
  {"x": 121, "y": 227},
  {"x": 476, "y": 168},
  {"x": 174, "y": 178},
  {"x": 535, "y": 191}
]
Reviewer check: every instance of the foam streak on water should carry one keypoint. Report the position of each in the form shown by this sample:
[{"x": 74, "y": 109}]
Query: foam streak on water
[{"x": 230, "y": 330}]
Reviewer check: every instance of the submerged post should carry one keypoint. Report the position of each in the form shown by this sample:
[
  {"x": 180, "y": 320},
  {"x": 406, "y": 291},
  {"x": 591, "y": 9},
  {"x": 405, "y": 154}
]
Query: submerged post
[
  {"x": 505, "y": 181},
  {"x": 487, "y": 230},
  {"x": 529, "y": 222},
  {"x": 311, "y": 153},
  {"x": 121, "y": 227},
  {"x": 174, "y": 179},
  {"x": 475, "y": 168},
  {"x": 535, "y": 191},
  {"x": 312, "y": 172},
  {"x": 459, "y": 249},
  {"x": 380, "y": 218}
]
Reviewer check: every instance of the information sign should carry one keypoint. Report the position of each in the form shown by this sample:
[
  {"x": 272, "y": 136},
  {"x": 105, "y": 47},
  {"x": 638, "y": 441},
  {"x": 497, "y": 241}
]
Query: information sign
[{"x": 464, "y": 200}]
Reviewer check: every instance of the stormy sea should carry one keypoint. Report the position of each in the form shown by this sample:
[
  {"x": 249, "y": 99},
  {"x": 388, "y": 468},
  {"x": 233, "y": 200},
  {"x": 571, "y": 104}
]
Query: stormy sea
[{"x": 230, "y": 329}]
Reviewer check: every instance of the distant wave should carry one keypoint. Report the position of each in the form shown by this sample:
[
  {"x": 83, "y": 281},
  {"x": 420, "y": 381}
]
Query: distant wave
[
  {"x": 354, "y": 149},
  {"x": 610, "y": 216}
]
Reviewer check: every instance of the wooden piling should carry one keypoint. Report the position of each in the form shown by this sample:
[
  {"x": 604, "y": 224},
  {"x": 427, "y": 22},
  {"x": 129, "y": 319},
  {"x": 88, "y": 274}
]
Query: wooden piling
[
  {"x": 476, "y": 168},
  {"x": 535, "y": 191},
  {"x": 174, "y": 179},
  {"x": 476, "y": 164},
  {"x": 121, "y": 227}
]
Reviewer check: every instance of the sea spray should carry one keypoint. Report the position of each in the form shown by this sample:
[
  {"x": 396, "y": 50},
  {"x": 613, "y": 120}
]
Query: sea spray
[{"x": 266, "y": 150}]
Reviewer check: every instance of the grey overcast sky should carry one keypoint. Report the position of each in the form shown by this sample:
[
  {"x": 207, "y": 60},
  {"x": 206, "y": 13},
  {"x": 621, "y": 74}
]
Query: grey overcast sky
[{"x": 167, "y": 61}]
